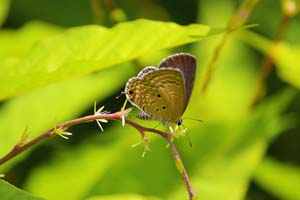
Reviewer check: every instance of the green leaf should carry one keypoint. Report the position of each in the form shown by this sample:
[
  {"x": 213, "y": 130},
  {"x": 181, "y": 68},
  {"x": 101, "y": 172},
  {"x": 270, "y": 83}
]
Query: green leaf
[
  {"x": 4, "y": 8},
  {"x": 82, "y": 50},
  {"x": 44, "y": 108},
  {"x": 9, "y": 192},
  {"x": 284, "y": 55},
  {"x": 16, "y": 45},
  {"x": 281, "y": 180}
]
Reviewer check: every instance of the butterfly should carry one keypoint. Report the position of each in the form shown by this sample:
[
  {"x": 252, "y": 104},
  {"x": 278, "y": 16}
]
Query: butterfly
[{"x": 163, "y": 93}]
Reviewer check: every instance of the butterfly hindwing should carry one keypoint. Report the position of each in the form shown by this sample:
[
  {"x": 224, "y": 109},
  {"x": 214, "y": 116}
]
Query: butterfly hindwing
[{"x": 159, "y": 93}]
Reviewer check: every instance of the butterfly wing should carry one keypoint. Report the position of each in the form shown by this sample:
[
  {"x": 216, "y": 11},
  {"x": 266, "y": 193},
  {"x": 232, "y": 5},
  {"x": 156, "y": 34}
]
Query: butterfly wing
[
  {"x": 146, "y": 70},
  {"x": 158, "y": 93},
  {"x": 186, "y": 63}
]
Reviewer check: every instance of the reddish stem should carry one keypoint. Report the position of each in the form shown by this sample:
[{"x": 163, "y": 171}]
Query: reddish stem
[
  {"x": 192, "y": 193},
  {"x": 23, "y": 145}
]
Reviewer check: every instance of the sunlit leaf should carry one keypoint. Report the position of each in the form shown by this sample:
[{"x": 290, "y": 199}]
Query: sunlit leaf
[
  {"x": 9, "y": 192},
  {"x": 86, "y": 49},
  {"x": 55, "y": 104},
  {"x": 15, "y": 45},
  {"x": 4, "y": 8}
]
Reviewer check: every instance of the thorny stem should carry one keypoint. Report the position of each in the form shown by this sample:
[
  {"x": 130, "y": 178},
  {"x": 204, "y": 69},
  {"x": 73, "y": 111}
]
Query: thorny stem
[
  {"x": 23, "y": 145},
  {"x": 178, "y": 161}
]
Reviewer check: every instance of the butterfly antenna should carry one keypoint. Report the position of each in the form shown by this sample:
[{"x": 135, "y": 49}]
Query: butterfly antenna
[
  {"x": 189, "y": 139},
  {"x": 198, "y": 120},
  {"x": 124, "y": 105},
  {"x": 122, "y": 93}
]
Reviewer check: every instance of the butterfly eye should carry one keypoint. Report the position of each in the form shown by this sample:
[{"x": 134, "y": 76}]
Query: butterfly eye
[{"x": 179, "y": 122}]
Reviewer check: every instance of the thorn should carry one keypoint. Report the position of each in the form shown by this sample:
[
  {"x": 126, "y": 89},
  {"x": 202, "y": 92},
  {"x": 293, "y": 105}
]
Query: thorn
[
  {"x": 123, "y": 120},
  {"x": 24, "y": 137},
  {"x": 103, "y": 120},
  {"x": 123, "y": 114},
  {"x": 100, "y": 109},
  {"x": 136, "y": 144},
  {"x": 117, "y": 97},
  {"x": 98, "y": 122},
  {"x": 65, "y": 135},
  {"x": 146, "y": 148},
  {"x": 95, "y": 107}
]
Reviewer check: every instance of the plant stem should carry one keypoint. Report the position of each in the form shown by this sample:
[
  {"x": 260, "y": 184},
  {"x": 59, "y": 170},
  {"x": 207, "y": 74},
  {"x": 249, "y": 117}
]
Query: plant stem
[
  {"x": 23, "y": 145},
  {"x": 181, "y": 168},
  {"x": 17, "y": 149}
]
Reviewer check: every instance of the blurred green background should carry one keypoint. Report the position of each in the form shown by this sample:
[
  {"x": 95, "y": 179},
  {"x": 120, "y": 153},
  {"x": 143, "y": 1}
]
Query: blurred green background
[{"x": 236, "y": 153}]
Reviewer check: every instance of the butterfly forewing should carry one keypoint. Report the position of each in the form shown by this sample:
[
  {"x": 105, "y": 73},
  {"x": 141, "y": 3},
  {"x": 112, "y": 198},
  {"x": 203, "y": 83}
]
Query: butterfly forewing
[
  {"x": 186, "y": 63},
  {"x": 146, "y": 70}
]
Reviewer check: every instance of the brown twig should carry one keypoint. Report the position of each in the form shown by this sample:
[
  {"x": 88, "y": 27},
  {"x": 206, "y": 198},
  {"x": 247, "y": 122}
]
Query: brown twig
[
  {"x": 178, "y": 161},
  {"x": 22, "y": 145}
]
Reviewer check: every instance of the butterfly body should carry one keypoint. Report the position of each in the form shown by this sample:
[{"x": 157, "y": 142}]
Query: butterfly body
[{"x": 163, "y": 93}]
